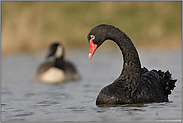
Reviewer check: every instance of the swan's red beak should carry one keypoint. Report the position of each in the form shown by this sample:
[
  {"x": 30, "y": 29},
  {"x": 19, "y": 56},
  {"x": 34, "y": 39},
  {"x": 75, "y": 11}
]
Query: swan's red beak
[{"x": 93, "y": 47}]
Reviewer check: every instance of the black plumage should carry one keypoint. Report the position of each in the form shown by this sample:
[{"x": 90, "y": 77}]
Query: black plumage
[{"x": 135, "y": 84}]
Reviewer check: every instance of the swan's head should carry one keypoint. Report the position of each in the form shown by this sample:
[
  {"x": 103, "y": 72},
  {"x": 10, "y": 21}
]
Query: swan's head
[
  {"x": 96, "y": 37},
  {"x": 56, "y": 50}
]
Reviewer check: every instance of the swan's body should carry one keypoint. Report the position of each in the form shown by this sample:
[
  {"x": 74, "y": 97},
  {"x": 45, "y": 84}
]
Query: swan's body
[
  {"x": 56, "y": 71},
  {"x": 135, "y": 84}
]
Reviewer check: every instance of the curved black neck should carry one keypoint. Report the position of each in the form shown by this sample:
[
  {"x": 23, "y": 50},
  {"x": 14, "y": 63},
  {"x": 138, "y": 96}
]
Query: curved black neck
[{"x": 131, "y": 72}]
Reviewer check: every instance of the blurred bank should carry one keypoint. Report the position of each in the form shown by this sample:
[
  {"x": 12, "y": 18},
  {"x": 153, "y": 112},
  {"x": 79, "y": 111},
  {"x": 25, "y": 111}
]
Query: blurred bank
[{"x": 32, "y": 26}]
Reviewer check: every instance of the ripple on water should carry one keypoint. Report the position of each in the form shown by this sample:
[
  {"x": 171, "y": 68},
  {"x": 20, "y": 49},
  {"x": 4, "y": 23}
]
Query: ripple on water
[
  {"x": 23, "y": 114},
  {"x": 76, "y": 108},
  {"x": 162, "y": 105},
  {"x": 46, "y": 103},
  {"x": 6, "y": 93},
  {"x": 29, "y": 94}
]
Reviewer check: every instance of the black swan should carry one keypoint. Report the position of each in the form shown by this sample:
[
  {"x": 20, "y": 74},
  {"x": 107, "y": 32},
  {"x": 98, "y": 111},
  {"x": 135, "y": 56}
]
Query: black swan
[
  {"x": 135, "y": 84},
  {"x": 58, "y": 70}
]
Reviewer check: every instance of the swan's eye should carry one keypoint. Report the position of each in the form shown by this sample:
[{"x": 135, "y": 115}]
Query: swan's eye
[{"x": 92, "y": 37}]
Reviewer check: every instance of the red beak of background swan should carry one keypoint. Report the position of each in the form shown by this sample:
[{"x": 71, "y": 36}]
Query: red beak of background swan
[{"x": 93, "y": 47}]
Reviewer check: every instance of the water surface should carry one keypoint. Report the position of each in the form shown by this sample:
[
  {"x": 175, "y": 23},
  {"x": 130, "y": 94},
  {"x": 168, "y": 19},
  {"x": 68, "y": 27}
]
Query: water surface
[{"x": 25, "y": 100}]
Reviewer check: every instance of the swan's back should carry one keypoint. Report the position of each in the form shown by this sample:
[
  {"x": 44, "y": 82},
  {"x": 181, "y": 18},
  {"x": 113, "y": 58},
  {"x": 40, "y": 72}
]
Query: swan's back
[{"x": 155, "y": 86}]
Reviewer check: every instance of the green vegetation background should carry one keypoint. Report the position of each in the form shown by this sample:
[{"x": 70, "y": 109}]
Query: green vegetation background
[{"x": 32, "y": 26}]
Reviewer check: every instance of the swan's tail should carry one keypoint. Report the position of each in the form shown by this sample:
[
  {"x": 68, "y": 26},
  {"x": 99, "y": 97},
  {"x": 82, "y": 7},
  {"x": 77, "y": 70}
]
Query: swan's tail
[{"x": 168, "y": 82}]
